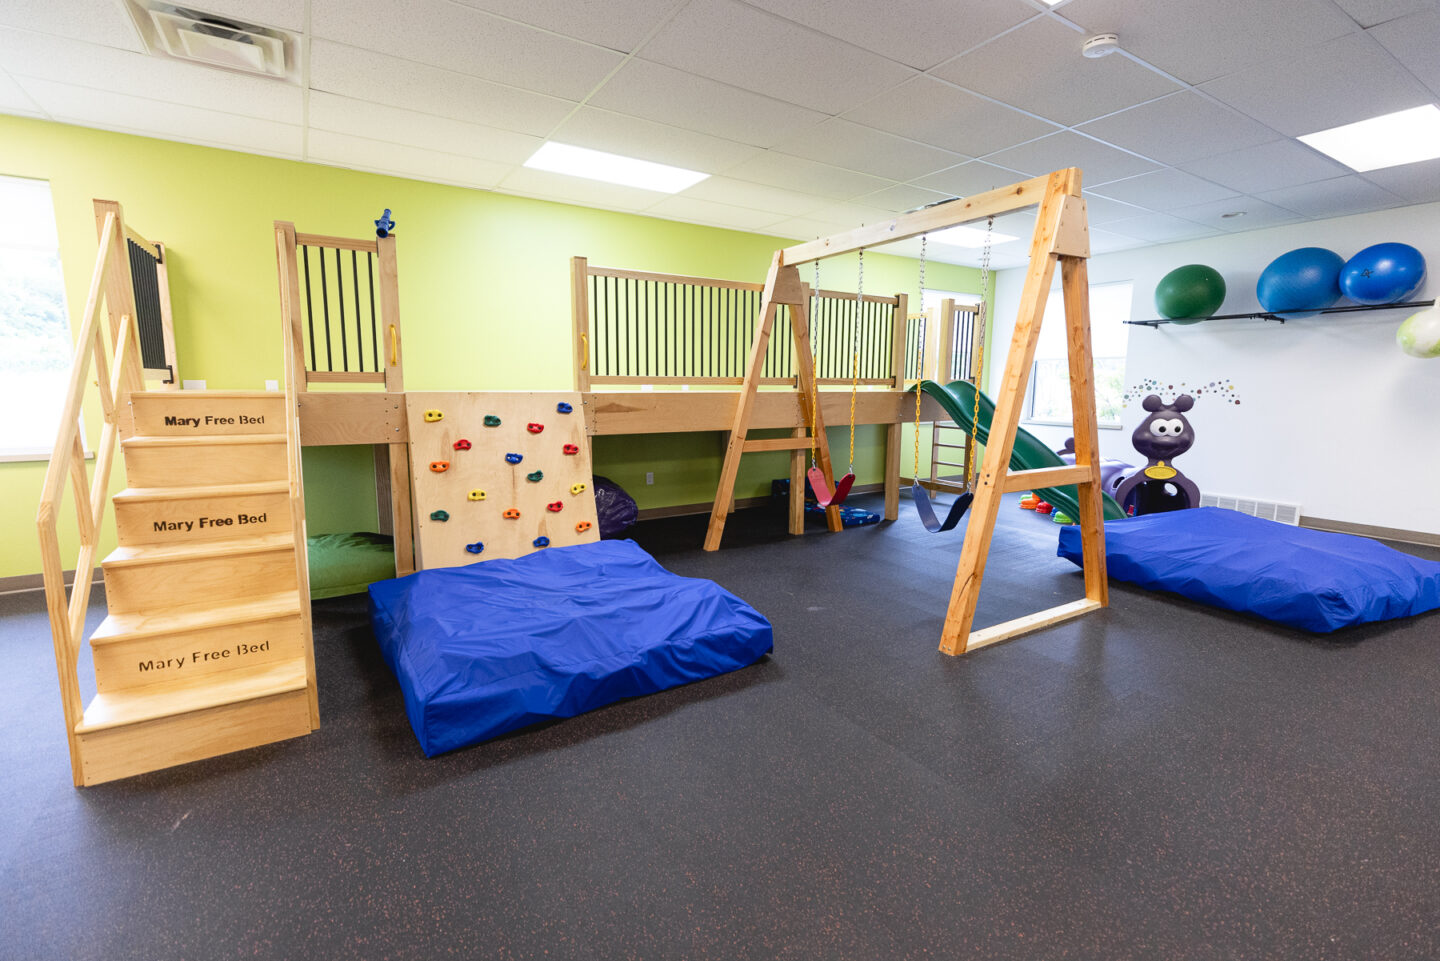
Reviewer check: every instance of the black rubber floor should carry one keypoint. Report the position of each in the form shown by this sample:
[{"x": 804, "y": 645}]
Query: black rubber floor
[{"x": 1157, "y": 780}]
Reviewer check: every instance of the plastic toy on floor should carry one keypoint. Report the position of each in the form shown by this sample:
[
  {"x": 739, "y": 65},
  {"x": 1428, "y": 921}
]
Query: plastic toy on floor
[{"x": 1164, "y": 435}]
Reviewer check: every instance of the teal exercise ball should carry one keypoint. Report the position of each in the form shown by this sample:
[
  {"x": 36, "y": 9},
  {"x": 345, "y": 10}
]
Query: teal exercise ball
[
  {"x": 1300, "y": 283},
  {"x": 1383, "y": 274},
  {"x": 1190, "y": 293},
  {"x": 1419, "y": 335}
]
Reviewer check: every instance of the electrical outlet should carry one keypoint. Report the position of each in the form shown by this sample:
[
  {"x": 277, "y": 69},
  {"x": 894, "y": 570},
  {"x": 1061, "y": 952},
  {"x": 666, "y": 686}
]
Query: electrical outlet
[
  {"x": 272, "y": 385},
  {"x": 649, "y": 477},
  {"x": 192, "y": 384}
]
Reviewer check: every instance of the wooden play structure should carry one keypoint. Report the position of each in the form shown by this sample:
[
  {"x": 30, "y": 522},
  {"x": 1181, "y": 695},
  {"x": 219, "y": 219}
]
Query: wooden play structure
[
  {"x": 1061, "y": 236},
  {"x": 206, "y": 647}
]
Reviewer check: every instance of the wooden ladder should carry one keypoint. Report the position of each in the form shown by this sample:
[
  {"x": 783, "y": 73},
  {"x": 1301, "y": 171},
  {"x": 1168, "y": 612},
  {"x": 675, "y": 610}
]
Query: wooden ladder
[{"x": 206, "y": 647}]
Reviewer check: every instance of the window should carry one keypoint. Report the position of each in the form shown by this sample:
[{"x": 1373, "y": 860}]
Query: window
[
  {"x": 1050, "y": 378},
  {"x": 35, "y": 348}
]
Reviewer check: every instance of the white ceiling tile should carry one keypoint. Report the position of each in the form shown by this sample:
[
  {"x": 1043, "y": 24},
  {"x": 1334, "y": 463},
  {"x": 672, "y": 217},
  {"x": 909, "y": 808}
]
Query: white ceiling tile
[
  {"x": 1370, "y": 12},
  {"x": 741, "y": 193},
  {"x": 406, "y": 127},
  {"x": 364, "y": 75},
  {"x": 1177, "y": 128},
  {"x": 1165, "y": 190},
  {"x": 1414, "y": 41},
  {"x": 867, "y": 150},
  {"x": 729, "y": 41},
  {"x": 804, "y": 228},
  {"x": 1102, "y": 210},
  {"x": 853, "y": 214},
  {"x": 402, "y": 160},
  {"x": 152, "y": 118},
  {"x": 657, "y": 92},
  {"x": 1257, "y": 214},
  {"x": 619, "y": 26},
  {"x": 1161, "y": 228},
  {"x": 696, "y": 211},
  {"x": 1333, "y": 198},
  {"x": 1038, "y": 68},
  {"x": 1198, "y": 41},
  {"x": 1106, "y": 241},
  {"x": 576, "y": 190},
  {"x": 974, "y": 177},
  {"x": 903, "y": 197},
  {"x": 793, "y": 173},
  {"x": 13, "y": 100},
  {"x": 468, "y": 41},
  {"x": 920, "y": 33},
  {"x": 1098, "y": 162},
  {"x": 95, "y": 21},
  {"x": 285, "y": 14},
  {"x": 647, "y": 140},
  {"x": 938, "y": 113},
  {"x": 1280, "y": 163},
  {"x": 1418, "y": 182},
  {"x": 1335, "y": 83},
  {"x": 121, "y": 71}
]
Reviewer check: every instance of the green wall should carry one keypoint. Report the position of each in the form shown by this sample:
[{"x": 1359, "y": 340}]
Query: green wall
[{"x": 484, "y": 293}]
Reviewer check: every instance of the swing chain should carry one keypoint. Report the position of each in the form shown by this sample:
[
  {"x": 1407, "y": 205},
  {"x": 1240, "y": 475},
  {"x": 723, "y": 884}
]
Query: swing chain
[
  {"x": 921, "y": 331},
  {"x": 855, "y": 351},
  {"x": 979, "y": 368},
  {"x": 814, "y": 374}
]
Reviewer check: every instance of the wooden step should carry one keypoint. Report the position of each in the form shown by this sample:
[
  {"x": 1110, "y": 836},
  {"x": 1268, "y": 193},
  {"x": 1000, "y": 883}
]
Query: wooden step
[
  {"x": 171, "y": 515},
  {"x": 199, "y": 412},
  {"x": 155, "y": 577},
  {"x": 159, "y": 725},
  {"x": 135, "y": 650},
  {"x": 161, "y": 461}
]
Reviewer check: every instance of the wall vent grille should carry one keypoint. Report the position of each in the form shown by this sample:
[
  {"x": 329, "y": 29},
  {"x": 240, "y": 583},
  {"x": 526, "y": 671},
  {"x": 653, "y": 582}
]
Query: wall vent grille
[{"x": 1282, "y": 511}]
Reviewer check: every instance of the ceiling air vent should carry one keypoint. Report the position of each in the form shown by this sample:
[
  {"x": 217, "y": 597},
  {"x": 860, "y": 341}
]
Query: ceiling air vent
[{"x": 184, "y": 33}]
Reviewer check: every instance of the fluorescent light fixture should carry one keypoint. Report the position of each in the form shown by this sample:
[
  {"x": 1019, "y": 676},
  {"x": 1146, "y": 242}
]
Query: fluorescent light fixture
[
  {"x": 971, "y": 238},
  {"x": 612, "y": 168},
  {"x": 1404, "y": 137}
]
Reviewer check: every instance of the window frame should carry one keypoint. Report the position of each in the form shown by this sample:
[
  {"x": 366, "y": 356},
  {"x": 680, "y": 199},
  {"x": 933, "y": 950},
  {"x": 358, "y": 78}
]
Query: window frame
[{"x": 1032, "y": 381}]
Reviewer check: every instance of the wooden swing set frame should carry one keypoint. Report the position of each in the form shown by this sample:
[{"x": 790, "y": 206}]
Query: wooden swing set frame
[{"x": 1061, "y": 236}]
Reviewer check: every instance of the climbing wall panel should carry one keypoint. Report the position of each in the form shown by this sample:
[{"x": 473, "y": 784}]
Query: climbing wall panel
[{"x": 483, "y": 495}]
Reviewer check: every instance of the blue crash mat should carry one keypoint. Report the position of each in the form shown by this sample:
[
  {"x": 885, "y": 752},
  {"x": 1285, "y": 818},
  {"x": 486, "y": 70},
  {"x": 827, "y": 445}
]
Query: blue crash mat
[
  {"x": 495, "y": 646},
  {"x": 1313, "y": 580}
]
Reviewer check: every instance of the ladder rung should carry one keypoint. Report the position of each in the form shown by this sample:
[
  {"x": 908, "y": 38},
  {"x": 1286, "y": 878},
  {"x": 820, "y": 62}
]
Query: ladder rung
[{"x": 950, "y": 446}]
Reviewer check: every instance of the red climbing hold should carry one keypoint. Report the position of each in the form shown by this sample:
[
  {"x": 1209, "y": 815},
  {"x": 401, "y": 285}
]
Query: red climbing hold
[
  {"x": 555, "y": 507},
  {"x": 534, "y": 428},
  {"x": 462, "y": 444},
  {"x": 571, "y": 449}
]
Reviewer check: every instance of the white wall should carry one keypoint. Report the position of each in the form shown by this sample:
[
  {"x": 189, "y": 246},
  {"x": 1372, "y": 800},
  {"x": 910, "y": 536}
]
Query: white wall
[{"x": 1332, "y": 415}]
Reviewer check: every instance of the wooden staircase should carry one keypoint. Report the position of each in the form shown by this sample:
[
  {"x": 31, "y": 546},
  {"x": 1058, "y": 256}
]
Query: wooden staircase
[{"x": 206, "y": 648}]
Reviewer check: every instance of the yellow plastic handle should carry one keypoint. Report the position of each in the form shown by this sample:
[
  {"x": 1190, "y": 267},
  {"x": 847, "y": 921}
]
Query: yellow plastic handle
[
  {"x": 584, "y": 351},
  {"x": 394, "y": 346}
]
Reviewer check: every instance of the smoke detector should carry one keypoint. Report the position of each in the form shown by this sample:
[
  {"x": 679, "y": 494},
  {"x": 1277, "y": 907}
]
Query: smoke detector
[
  {"x": 1100, "y": 45},
  {"x": 184, "y": 33}
]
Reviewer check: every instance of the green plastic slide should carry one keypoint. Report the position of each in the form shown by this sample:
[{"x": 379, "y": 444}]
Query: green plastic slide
[{"x": 957, "y": 398}]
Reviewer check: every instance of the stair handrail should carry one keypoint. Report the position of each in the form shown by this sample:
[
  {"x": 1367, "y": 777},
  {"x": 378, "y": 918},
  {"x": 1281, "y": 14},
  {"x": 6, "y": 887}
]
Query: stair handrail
[{"x": 115, "y": 377}]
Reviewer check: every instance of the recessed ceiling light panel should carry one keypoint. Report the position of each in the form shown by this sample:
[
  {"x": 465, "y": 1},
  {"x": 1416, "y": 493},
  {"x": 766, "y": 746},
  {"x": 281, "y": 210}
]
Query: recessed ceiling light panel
[
  {"x": 612, "y": 168},
  {"x": 1403, "y": 137}
]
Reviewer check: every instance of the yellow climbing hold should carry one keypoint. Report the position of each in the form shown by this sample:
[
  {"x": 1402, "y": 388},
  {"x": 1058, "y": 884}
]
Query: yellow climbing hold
[
  {"x": 476, "y": 495},
  {"x": 432, "y": 415},
  {"x": 576, "y": 488}
]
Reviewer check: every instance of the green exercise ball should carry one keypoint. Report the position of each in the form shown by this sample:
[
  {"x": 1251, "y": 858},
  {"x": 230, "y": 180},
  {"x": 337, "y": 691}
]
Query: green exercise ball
[
  {"x": 1190, "y": 293},
  {"x": 1419, "y": 336}
]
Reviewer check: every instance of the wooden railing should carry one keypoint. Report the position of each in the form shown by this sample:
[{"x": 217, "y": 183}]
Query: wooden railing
[
  {"x": 638, "y": 327},
  {"x": 117, "y": 374}
]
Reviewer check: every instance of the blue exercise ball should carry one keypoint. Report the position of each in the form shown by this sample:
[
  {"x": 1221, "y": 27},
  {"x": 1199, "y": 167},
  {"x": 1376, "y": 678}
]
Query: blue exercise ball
[
  {"x": 1300, "y": 283},
  {"x": 1383, "y": 274}
]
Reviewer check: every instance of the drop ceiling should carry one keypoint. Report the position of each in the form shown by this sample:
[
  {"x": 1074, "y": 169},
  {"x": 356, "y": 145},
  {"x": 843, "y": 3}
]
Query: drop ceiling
[{"x": 812, "y": 116}]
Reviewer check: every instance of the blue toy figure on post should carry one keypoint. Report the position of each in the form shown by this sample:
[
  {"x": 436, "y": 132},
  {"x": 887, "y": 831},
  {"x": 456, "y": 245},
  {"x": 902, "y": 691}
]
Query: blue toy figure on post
[{"x": 1161, "y": 437}]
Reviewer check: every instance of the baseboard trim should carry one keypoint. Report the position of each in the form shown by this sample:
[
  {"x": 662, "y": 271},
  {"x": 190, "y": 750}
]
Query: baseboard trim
[
  {"x": 1369, "y": 530},
  {"x": 36, "y": 582},
  {"x": 685, "y": 510}
]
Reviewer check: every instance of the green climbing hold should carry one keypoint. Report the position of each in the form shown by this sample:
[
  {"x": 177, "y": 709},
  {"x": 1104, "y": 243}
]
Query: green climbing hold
[
  {"x": 439, "y": 515},
  {"x": 535, "y": 477},
  {"x": 491, "y": 420}
]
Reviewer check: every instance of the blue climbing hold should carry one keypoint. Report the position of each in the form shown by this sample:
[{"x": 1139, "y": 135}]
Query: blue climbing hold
[
  {"x": 475, "y": 548},
  {"x": 563, "y": 408},
  {"x": 542, "y": 542},
  {"x": 513, "y": 458}
]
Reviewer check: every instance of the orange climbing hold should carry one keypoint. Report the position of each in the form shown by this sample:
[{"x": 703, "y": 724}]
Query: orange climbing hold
[
  {"x": 582, "y": 527},
  {"x": 439, "y": 466},
  {"x": 511, "y": 514}
]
